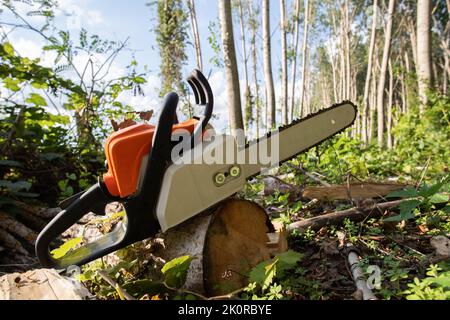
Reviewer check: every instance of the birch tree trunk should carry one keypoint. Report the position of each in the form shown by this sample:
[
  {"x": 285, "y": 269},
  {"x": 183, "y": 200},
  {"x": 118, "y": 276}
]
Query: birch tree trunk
[
  {"x": 424, "y": 76},
  {"x": 257, "y": 101},
  {"x": 194, "y": 26},
  {"x": 268, "y": 78},
  {"x": 389, "y": 105},
  {"x": 296, "y": 21},
  {"x": 232, "y": 75},
  {"x": 284, "y": 80},
  {"x": 383, "y": 69},
  {"x": 305, "y": 46},
  {"x": 365, "y": 112},
  {"x": 247, "y": 102}
]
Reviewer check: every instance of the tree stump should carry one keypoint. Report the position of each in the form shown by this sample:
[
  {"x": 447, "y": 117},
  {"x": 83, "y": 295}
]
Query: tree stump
[{"x": 226, "y": 242}]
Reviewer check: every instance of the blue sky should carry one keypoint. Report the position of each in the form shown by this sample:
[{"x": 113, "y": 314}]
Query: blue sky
[{"x": 133, "y": 19}]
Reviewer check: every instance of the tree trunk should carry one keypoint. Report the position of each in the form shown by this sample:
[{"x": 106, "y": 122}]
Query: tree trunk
[
  {"x": 369, "y": 73},
  {"x": 383, "y": 69},
  {"x": 247, "y": 102},
  {"x": 227, "y": 243},
  {"x": 194, "y": 26},
  {"x": 296, "y": 21},
  {"x": 232, "y": 75},
  {"x": 424, "y": 76},
  {"x": 347, "y": 49},
  {"x": 284, "y": 80},
  {"x": 256, "y": 99},
  {"x": 389, "y": 105},
  {"x": 268, "y": 78},
  {"x": 304, "y": 49}
]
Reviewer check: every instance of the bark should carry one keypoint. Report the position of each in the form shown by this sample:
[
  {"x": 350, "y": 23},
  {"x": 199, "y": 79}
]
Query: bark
[
  {"x": 424, "y": 75},
  {"x": 304, "y": 49},
  {"x": 389, "y": 105},
  {"x": 284, "y": 80},
  {"x": 295, "y": 37},
  {"x": 268, "y": 78},
  {"x": 366, "y": 107},
  {"x": 257, "y": 100},
  {"x": 17, "y": 228},
  {"x": 227, "y": 242},
  {"x": 383, "y": 70},
  {"x": 247, "y": 102},
  {"x": 232, "y": 75},
  {"x": 11, "y": 243},
  {"x": 195, "y": 33},
  {"x": 347, "y": 49},
  {"x": 350, "y": 191}
]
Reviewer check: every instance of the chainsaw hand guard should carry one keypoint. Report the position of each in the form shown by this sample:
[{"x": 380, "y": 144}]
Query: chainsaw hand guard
[{"x": 141, "y": 221}]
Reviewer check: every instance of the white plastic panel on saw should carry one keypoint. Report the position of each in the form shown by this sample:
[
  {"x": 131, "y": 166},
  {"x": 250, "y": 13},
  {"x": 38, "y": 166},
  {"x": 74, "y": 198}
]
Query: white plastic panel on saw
[{"x": 189, "y": 189}]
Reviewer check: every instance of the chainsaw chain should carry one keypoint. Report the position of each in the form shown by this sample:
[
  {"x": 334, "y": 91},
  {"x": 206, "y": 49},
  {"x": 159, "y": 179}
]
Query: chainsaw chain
[{"x": 300, "y": 120}]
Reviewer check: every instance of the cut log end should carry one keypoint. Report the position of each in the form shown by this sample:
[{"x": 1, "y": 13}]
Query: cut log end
[{"x": 227, "y": 242}]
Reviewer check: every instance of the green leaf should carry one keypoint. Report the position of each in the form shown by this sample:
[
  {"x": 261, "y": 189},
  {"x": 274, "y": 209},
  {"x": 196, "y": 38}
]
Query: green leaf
[
  {"x": 49, "y": 156},
  {"x": 426, "y": 191},
  {"x": 439, "y": 198},
  {"x": 287, "y": 260},
  {"x": 9, "y": 49},
  {"x": 15, "y": 186},
  {"x": 139, "y": 79},
  {"x": 11, "y": 84},
  {"x": 443, "y": 281},
  {"x": 10, "y": 163},
  {"x": 145, "y": 286},
  {"x": 406, "y": 209},
  {"x": 408, "y": 192},
  {"x": 66, "y": 247},
  {"x": 175, "y": 271},
  {"x": 263, "y": 273},
  {"x": 72, "y": 176},
  {"x": 39, "y": 85},
  {"x": 37, "y": 100}
]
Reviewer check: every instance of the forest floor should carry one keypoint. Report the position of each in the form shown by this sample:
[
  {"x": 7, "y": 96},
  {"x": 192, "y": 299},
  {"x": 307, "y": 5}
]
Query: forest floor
[{"x": 407, "y": 257}]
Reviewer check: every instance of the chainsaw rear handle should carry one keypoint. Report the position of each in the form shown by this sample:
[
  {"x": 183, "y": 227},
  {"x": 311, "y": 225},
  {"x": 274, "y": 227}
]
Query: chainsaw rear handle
[
  {"x": 203, "y": 96},
  {"x": 139, "y": 224}
]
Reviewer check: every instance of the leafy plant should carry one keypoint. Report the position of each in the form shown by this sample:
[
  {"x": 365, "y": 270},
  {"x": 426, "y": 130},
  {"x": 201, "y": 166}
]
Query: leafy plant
[
  {"x": 426, "y": 197},
  {"x": 175, "y": 271},
  {"x": 263, "y": 275},
  {"x": 434, "y": 287}
]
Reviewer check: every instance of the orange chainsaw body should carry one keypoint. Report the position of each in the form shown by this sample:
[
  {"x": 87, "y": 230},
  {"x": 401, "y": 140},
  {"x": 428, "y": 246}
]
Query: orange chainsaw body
[{"x": 124, "y": 151}]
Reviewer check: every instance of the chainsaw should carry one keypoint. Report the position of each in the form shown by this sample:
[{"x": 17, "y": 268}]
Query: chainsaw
[{"x": 161, "y": 184}]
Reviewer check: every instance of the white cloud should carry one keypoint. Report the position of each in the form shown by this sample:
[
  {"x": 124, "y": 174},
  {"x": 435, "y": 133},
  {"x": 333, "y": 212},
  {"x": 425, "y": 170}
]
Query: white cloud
[
  {"x": 77, "y": 14},
  {"x": 150, "y": 100}
]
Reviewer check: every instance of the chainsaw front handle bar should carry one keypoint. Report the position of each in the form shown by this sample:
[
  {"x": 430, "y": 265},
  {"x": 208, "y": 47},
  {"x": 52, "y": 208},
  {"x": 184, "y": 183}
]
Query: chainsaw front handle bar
[{"x": 139, "y": 224}]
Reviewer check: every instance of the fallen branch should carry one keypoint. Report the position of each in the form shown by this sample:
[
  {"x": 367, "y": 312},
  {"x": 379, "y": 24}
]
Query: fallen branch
[
  {"x": 350, "y": 190},
  {"x": 333, "y": 218},
  {"x": 116, "y": 286}
]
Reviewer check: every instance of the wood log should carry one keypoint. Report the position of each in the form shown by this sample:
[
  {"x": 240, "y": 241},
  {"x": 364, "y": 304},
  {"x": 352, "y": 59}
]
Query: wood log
[
  {"x": 11, "y": 243},
  {"x": 227, "y": 242},
  {"x": 45, "y": 213},
  {"x": 17, "y": 228},
  {"x": 334, "y": 218},
  {"x": 353, "y": 191}
]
